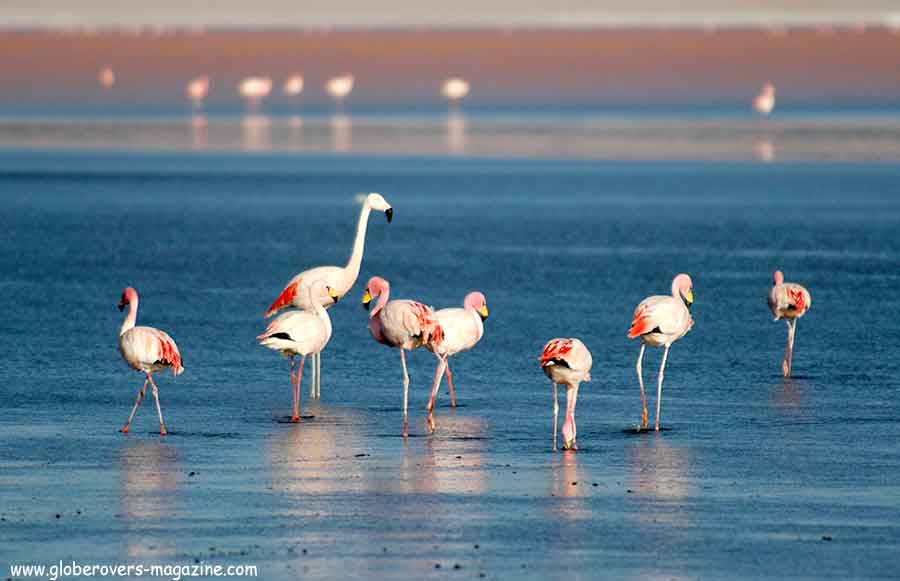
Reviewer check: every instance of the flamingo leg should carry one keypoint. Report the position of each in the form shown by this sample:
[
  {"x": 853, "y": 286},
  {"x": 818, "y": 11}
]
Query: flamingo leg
[
  {"x": 555, "y": 414},
  {"x": 789, "y": 348},
  {"x": 450, "y": 386},
  {"x": 296, "y": 417},
  {"x": 571, "y": 399},
  {"x": 162, "y": 424},
  {"x": 319, "y": 375},
  {"x": 315, "y": 377},
  {"x": 137, "y": 404},
  {"x": 640, "y": 375},
  {"x": 405, "y": 393},
  {"x": 293, "y": 385},
  {"x": 662, "y": 370},
  {"x": 438, "y": 374}
]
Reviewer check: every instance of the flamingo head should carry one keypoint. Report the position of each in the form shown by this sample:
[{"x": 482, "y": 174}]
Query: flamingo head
[
  {"x": 129, "y": 295},
  {"x": 374, "y": 288},
  {"x": 777, "y": 278},
  {"x": 683, "y": 287},
  {"x": 377, "y": 202},
  {"x": 475, "y": 300},
  {"x": 319, "y": 289}
]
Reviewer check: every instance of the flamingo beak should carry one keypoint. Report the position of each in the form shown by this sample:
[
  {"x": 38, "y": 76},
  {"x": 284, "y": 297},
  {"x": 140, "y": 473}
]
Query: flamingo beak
[
  {"x": 689, "y": 297},
  {"x": 121, "y": 306},
  {"x": 390, "y": 214},
  {"x": 366, "y": 300},
  {"x": 483, "y": 312},
  {"x": 333, "y": 294}
]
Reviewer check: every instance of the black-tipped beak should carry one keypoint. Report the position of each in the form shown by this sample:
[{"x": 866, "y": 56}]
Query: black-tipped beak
[
  {"x": 366, "y": 300},
  {"x": 390, "y": 214},
  {"x": 121, "y": 306}
]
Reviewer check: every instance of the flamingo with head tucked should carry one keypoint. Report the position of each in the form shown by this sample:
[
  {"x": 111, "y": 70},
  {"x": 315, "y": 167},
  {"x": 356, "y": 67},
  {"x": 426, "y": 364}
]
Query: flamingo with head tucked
[
  {"x": 788, "y": 301},
  {"x": 402, "y": 324},
  {"x": 660, "y": 320},
  {"x": 301, "y": 333},
  {"x": 146, "y": 349},
  {"x": 566, "y": 362},
  {"x": 463, "y": 329},
  {"x": 339, "y": 279}
]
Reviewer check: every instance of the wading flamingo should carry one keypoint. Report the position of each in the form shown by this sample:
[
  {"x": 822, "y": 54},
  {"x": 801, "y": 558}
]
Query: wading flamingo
[
  {"x": 145, "y": 349},
  {"x": 661, "y": 320},
  {"x": 566, "y": 362},
  {"x": 788, "y": 301},
  {"x": 405, "y": 325},
  {"x": 462, "y": 330},
  {"x": 340, "y": 279},
  {"x": 764, "y": 103},
  {"x": 301, "y": 333}
]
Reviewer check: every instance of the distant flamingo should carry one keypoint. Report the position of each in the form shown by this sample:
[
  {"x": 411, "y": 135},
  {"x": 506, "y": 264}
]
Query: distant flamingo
[
  {"x": 566, "y": 362},
  {"x": 197, "y": 89},
  {"x": 146, "y": 349},
  {"x": 402, "y": 324},
  {"x": 660, "y": 320},
  {"x": 788, "y": 301},
  {"x": 764, "y": 103},
  {"x": 455, "y": 90},
  {"x": 462, "y": 330},
  {"x": 301, "y": 333},
  {"x": 341, "y": 279},
  {"x": 339, "y": 87}
]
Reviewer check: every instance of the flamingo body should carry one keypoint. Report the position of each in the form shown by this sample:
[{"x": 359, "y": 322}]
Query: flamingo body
[
  {"x": 146, "y": 349},
  {"x": 566, "y": 362}
]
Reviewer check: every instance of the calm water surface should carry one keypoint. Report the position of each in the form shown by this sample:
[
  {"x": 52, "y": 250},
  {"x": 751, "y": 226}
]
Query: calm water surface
[{"x": 751, "y": 474}]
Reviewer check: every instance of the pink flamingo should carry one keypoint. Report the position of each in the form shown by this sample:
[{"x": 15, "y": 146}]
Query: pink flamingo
[
  {"x": 788, "y": 301},
  {"x": 764, "y": 103},
  {"x": 462, "y": 330},
  {"x": 301, "y": 333},
  {"x": 341, "y": 279},
  {"x": 146, "y": 349},
  {"x": 402, "y": 324},
  {"x": 566, "y": 362},
  {"x": 661, "y": 320}
]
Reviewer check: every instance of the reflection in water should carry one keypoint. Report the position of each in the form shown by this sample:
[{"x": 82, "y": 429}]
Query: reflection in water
[
  {"x": 565, "y": 473},
  {"x": 295, "y": 125},
  {"x": 199, "y": 131},
  {"x": 456, "y": 133},
  {"x": 256, "y": 132},
  {"x": 658, "y": 475},
  {"x": 765, "y": 150},
  {"x": 149, "y": 476},
  {"x": 787, "y": 397},
  {"x": 341, "y": 133}
]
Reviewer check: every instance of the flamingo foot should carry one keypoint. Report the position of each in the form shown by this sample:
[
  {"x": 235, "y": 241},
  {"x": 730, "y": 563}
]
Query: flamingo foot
[
  {"x": 124, "y": 429},
  {"x": 570, "y": 445},
  {"x": 644, "y": 419},
  {"x": 295, "y": 419},
  {"x": 162, "y": 431}
]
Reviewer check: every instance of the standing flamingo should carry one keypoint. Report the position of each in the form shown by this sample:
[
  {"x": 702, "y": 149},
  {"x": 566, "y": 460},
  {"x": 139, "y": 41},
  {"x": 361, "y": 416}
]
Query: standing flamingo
[
  {"x": 340, "y": 279},
  {"x": 146, "y": 349},
  {"x": 462, "y": 329},
  {"x": 402, "y": 324},
  {"x": 661, "y": 320},
  {"x": 566, "y": 362},
  {"x": 301, "y": 333},
  {"x": 764, "y": 103},
  {"x": 788, "y": 301}
]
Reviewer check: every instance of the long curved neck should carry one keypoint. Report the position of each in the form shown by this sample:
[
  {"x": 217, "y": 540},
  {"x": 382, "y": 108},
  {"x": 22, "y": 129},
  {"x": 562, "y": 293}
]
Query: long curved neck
[
  {"x": 319, "y": 309},
  {"x": 131, "y": 317},
  {"x": 352, "y": 268},
  {"x": 382, "y": 300}
]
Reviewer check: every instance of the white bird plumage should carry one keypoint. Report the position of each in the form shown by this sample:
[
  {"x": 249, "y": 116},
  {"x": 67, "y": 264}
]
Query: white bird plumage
[{"x": 566, "y": 362}]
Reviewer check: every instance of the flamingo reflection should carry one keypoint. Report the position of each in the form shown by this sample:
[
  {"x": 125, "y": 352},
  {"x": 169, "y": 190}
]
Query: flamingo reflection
[{"x": 150, "y": 476}]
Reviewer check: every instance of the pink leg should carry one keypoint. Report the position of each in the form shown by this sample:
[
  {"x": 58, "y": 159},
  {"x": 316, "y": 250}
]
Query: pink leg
[
  {"x": 555, "y": 414},
  {"x": 296, "y": 417},
  {"x": 162, "y": 424},
  {"x": 450, "y": 386},
  {"x": 405, "y": 394},
  {"x": 293, "y": 385},
  {"x": 140, "y": 397},
  {"x": 438, "y": 373},
  {"x": 787, "y": 364},
  {"x": 640, "y": 375}
]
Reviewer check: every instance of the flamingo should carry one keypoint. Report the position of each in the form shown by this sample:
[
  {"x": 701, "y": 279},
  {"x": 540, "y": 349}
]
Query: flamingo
[
  {"x": 145, "y": 349},
  {"x": 462, "y": 329},
  {"x": 788, "y": 301},
  {"x": 764, "y": 103},
  {"x": 661, "y": 320},
  {"x": 566, "y": 362},
  {"x": 301, "y": 333},
  {"x": 341, "y": 279},
  {"x": 402, "y": 324}
]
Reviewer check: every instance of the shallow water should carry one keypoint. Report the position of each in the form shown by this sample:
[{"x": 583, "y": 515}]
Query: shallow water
[{"x": 751, "y": 474}]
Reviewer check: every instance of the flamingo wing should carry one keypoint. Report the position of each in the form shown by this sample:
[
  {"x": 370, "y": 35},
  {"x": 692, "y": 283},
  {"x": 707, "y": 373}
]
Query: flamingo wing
[
  {"x": 298, "y": 331},
  {"x": 148, "y": 346},
  {"x": 462, "y": 329},
  {"x": 294, "y": 293},
  {"x": 656, "y": 314},
  {"x": 570, "y": 353}
]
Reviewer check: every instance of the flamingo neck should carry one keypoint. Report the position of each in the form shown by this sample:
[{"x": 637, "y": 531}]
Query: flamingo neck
[
  {"x": 131, "y": 317},
  {"x": 319, "y": 309},
  {"x": 382, "y": 300},
  {"x": 568, "y": 428},
  {"x": 352, "y": 268}
]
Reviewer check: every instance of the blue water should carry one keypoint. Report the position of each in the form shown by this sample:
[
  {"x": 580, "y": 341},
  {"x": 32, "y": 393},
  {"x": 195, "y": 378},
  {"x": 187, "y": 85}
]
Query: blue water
[{"x": 751, "y": 474}]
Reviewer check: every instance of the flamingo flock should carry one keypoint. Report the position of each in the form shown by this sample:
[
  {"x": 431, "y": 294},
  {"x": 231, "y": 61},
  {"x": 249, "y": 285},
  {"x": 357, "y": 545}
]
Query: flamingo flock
[{"x": 304, "y": 330}]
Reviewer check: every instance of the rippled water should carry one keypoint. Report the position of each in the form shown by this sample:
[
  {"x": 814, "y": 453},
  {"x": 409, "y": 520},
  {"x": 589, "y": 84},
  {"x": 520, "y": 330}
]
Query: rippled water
[{"x": 751, "y": 474}]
